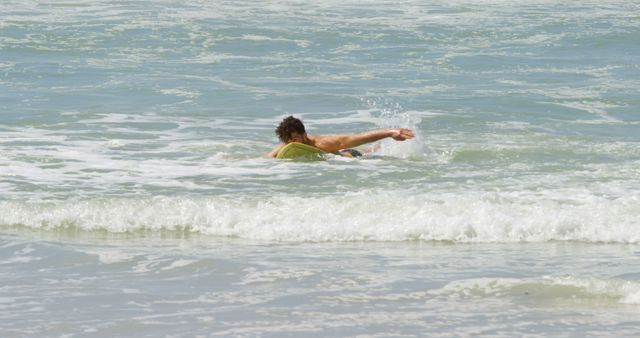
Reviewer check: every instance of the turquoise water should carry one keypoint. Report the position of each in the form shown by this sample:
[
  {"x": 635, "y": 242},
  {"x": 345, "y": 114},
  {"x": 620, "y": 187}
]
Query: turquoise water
[{"x": 131, "y": 143}]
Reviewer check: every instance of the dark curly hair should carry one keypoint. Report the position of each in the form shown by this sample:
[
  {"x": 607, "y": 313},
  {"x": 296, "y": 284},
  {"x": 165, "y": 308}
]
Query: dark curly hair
[{"x": 288, "y": 126}]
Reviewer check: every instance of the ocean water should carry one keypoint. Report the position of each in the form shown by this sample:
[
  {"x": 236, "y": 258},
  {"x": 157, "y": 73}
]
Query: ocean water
[{"x": 135, "y": 199}]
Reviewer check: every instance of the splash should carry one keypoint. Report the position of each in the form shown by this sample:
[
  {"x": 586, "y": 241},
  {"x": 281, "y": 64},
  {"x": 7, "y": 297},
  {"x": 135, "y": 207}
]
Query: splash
[{"x": 392, "y": 115}]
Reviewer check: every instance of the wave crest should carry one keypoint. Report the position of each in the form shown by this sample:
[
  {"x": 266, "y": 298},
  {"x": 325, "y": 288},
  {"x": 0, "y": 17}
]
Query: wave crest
[{"x": 362, "y": 216}]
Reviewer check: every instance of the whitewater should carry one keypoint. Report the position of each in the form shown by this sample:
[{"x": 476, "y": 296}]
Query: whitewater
[{"x": 135, "y": 198}]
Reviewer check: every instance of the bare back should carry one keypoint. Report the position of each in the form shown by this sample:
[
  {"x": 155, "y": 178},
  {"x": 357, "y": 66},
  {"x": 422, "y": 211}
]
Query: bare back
[{"x": 335, "y": 143}]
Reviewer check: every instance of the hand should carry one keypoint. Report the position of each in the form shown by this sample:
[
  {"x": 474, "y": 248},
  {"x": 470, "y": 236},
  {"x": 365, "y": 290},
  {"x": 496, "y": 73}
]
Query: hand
[{"x": 401, "y": 134}]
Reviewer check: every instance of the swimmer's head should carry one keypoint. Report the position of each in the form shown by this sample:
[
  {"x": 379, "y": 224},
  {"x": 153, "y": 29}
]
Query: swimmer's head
[{"x": 290, "y": 130}]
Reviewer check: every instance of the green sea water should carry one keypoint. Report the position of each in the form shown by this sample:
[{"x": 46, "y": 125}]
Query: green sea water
[{"x": 132, "y": 136}]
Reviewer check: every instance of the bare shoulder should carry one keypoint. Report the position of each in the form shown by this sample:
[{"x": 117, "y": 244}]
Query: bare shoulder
[
  {"x": 328, "y": 143},
  {"x": 273, "y": 153}
]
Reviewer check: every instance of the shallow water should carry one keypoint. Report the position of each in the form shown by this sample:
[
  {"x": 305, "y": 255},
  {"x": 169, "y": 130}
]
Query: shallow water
[
  {"x": 175, "y": 284},
  {"x": 132, "y": 176}
]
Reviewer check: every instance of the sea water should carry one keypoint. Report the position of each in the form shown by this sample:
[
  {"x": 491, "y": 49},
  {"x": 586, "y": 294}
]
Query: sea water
[{"x": 135, "y": 199}]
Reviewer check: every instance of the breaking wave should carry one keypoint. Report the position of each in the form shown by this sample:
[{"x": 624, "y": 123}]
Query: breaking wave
[{"x": 360, "y": 216}]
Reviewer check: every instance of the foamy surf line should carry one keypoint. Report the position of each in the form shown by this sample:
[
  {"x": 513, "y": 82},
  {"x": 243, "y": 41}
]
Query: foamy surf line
[
  {"x": 377, "y": 216},
  {"x": 561, "y": 290}
]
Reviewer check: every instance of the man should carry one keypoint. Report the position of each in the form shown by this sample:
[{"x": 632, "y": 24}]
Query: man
[{"x": 291, "y": 129}]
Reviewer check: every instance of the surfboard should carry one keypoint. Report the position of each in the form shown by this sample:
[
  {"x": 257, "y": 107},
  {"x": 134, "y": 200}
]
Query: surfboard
[{"x": 300, "y": 150}]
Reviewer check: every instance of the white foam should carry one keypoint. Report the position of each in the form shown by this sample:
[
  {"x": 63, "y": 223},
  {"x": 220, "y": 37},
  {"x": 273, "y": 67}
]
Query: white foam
[
  {"x": 269, "y": 276},
  {"x": 181, "y": 92},
  {"x": 179, "y": 264},
  {"x": 114, "y": 144},
  {"x": 593, "y": 107},
  {"x": 561, "y": 289},
  {"x": 362, "y": 216},
  {"x": 260, "y": 38},
  {"x": 423, "y": 90},
  {"x": 113, "y": 256}
]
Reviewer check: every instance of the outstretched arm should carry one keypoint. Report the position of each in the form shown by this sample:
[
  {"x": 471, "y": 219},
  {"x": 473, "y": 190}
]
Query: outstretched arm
[{"x": 337, "y": 142}]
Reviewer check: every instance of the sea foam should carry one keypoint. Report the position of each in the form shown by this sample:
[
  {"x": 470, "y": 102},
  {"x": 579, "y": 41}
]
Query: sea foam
[
  {"x": 561, "y": 290},
  {"x": 360, "y": 216}
]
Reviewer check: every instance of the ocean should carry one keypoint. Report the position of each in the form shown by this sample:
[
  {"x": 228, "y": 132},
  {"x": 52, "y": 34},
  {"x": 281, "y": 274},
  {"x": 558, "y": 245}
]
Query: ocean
[{"x": 135, "y": 198}]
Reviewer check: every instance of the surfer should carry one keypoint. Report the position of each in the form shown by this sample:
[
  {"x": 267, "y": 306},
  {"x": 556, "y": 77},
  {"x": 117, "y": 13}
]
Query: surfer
[{"x": 291, "y": 129}]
